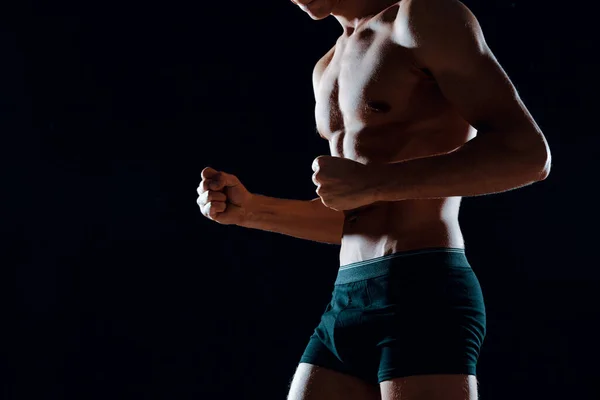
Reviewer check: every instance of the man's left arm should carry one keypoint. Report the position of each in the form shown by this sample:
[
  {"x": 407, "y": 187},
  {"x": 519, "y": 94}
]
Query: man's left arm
[{"x": 509, "y": 150}]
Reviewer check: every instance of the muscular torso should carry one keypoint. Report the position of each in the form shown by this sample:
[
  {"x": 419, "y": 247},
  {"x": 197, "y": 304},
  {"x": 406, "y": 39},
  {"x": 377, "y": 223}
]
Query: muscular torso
[{"x": 375, "y": 104}]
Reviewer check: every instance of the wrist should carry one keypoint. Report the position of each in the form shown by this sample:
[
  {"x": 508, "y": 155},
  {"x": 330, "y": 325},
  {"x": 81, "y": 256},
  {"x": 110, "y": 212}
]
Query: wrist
[
  {"x": 251, "y": 210},
  {"x": 379, "y": 179}
]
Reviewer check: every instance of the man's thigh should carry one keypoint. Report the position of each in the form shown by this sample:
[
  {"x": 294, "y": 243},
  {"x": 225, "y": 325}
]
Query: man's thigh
[
  {"x": 311, "y": 382},
  {"x": 430, "y": 387}
]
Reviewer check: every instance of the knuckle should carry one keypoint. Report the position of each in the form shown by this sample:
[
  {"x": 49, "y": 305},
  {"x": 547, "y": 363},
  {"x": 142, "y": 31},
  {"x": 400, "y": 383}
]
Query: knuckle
[
  {"x": 216, "y": 196},
  {"x": 215, "y": 207},
  {"x": 207, "y": 171},
  {"x": 204, "y": 210},
  {"x": 210, "y": 210}
]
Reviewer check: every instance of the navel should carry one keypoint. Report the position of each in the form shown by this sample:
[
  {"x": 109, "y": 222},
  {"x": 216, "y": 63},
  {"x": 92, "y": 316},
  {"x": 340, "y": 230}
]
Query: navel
[{"x": 379, "y": 106}]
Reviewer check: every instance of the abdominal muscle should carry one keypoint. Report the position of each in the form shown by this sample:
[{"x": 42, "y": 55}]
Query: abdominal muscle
[
  {"x": 389, "y": 227},
  {"x": 384, "y": 228}
]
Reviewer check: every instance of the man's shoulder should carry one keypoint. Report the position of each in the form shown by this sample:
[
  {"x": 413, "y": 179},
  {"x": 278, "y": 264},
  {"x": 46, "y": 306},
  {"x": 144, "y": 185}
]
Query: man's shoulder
[
  {"x": 416, "y": 19},
  {"x": 433, "y": 11},
  {"x": 431, "y": 5}
]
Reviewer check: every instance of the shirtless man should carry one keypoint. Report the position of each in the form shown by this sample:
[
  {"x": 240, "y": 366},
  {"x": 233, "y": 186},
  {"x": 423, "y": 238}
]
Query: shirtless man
[{"x": 418, "y": 113}]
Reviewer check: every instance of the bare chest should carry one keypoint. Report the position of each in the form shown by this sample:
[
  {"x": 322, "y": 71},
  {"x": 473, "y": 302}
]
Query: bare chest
[{"x": 372, "y": 98}]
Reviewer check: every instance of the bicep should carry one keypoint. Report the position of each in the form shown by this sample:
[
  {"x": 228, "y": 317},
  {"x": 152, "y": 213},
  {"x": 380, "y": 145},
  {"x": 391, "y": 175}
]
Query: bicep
[
  {"x": 482, "y": 93},
  {"x": 452, "y": 46}
]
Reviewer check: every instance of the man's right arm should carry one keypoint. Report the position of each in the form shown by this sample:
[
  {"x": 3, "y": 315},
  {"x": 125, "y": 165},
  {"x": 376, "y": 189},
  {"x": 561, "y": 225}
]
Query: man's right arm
[{"x": 304, "y": 219}]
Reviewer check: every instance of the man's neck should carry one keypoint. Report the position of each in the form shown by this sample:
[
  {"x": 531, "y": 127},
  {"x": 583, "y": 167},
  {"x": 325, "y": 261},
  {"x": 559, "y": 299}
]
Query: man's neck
[{"x": 351, "y": 13}]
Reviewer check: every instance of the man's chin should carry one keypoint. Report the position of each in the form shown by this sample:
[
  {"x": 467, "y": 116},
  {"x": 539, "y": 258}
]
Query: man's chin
[
  {"x": 321, "y": 9},
  {"x": 317, "y": 17}
]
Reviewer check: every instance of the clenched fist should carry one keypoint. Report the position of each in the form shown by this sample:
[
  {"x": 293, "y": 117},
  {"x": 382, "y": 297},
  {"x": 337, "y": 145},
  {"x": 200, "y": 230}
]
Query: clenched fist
[
  {"x": 222, "y": 197},
  {"x": 344, "y": 184}
]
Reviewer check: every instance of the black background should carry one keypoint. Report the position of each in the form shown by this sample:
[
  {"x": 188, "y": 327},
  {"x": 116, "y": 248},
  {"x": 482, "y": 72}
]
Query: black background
[{"x": 110, "y": 110}]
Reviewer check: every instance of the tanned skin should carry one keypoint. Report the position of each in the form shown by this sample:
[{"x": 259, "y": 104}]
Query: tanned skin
[
  {"x": 418, "y": 113},
  {"x": 405, "y": 86}
]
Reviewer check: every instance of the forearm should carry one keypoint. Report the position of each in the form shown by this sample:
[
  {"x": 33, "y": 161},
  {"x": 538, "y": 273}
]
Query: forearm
[
  {"x": 477, "y": 168},
  {"x": 304, "y": 219}
]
